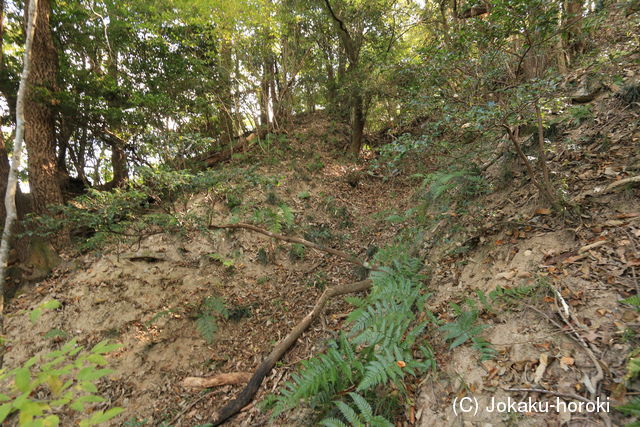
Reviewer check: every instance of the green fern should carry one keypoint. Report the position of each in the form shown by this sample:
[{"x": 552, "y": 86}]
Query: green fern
[
  {"x": 211, "y": 310},
  {"x": 321, "y": 377},
  {"x": 632, "y": 408},
  {"x": 378, "y": 351},
  {"x": 207, "y": 326},
  {"x": 462, "y": 329},
  {"x": 633, "y": 301},
  {"x": 359, "y": 415},
  {"x": 275, "y": 220}
]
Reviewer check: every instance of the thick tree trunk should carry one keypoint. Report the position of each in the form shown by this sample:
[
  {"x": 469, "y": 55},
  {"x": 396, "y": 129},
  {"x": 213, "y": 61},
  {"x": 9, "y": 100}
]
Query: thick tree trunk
[
  {"x": 39, "y": 116},
  {"x": 119, "y": 165},
  {"x": 573, "y": 10}
]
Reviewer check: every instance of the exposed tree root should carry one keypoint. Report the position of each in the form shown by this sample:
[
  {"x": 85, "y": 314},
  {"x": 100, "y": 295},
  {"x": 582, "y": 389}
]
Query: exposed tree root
[
  {"x": 231, "y": 378},
  {"x": 609, "y": 188},
  {"x": 247, "y": 394},
  {"x": 298, "y": 240}
]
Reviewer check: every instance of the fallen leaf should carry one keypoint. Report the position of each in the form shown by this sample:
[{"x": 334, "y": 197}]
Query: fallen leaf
[
  {"x": 542, "y": 367},
  {"x": 543, "y": 211},
  {"x": 574, "y": 258},
  {"x": 508, "y": 275},
  {"x": 626, "y": 215},
  {"x": 566, "y": 361}
]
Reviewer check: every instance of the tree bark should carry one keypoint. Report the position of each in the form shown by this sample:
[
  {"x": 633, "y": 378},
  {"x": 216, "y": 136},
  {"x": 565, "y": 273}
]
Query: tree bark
[
  {"x": 352, "y": 49},
  {"x": 357, "y": 120},
  {"x": 226, "y": 97},
  {"x": 39, "y": 115},
  {"x": 573, "y": 13}
]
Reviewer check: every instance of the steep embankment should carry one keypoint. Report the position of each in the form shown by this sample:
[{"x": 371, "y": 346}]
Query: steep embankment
[
  {"x": 560, "y": 325},
  {"x": 148, "y": 293}
]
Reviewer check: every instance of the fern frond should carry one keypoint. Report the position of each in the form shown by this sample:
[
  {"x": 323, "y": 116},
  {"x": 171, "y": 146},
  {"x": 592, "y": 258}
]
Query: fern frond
[{"x": 207, "y": 326}]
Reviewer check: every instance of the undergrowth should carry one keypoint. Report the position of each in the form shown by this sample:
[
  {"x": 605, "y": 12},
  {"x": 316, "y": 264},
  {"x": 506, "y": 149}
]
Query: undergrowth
[{"x": 351, "y": 381}]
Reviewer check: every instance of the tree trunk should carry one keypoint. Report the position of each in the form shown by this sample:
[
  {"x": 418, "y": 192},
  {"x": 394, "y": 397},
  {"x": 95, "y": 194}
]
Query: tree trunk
[
  {"x": 352, "y": 50},
  {"x": 573, "y": 14},
  {"x": 445, "y": 22},
  {"x": 226, "y": 97},
  {"x": 264, "y": 93},
  {"x": 357, "y": 121},
  {"x": 119, "y": 165},
  {"x": 39, "y": 116}
]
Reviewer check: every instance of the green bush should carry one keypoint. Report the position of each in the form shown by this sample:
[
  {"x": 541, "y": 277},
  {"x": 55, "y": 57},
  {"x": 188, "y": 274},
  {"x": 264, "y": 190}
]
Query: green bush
[{"x": 45, "y": 386}]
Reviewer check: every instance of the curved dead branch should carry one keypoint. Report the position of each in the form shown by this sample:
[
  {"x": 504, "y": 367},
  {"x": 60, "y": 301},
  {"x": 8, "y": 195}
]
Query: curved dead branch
[
  {"x": 247, "y": 394},
  {"x": 298, "y": 240}
]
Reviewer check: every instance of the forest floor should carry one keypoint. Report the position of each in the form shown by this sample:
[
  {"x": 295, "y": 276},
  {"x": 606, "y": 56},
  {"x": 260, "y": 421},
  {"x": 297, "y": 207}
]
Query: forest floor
[{"x": 146, "y": 296}]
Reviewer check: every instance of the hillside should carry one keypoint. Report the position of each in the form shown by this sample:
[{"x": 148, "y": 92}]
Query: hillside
[{"x": 477, "y": 246}]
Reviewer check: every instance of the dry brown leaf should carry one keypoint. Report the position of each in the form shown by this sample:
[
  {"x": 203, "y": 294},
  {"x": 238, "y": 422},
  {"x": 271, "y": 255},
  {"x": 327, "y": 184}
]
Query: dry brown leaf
[
  {"x": 507, "y": 275},
  {"x": 574, "y": 258},
  {"x": 566, "y": 361},
  {"x": 542, "y": 367}
]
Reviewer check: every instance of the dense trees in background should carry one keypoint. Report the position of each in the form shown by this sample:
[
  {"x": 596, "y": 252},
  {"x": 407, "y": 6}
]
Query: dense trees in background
[{"x": 118, "y": 85}]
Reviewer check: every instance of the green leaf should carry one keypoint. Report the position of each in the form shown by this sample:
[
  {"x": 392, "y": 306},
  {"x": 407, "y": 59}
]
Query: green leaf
[
  {"x": 78, "y": 404},
  {"x": 104, "y": 347},
  {"x": 91, "y": 374},
  {"x": 23, "y": 379},
  {"x": 207, "y": 326},
  {"x": 88, "y": 387},
  {"x": 101, "y": 417},
  {"x": 349, "y": 414},
  {"x": 35, "y": 315},
  {"x": 51, "y": 421},
  {"x": 363, "y": 406},
  {"x": 30, "y": 410},
  {"x": 97, "y": 359},
  {"x": 55, "y": 333},
  {"x": 51, "y": 305},
  {"x": 332, "y": 422},
  {"x": 5, "y": 410}
]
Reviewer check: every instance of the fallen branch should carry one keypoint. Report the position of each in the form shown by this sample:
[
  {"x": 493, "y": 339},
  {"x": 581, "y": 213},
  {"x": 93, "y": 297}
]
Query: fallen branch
[
  {"x": 609, "y": 188},
  {"x": 298, "y": 240},
  {"x": 231, "y": 378},
  {"x": 247, "y": 394},
  {"x": 631, "y": 180}
]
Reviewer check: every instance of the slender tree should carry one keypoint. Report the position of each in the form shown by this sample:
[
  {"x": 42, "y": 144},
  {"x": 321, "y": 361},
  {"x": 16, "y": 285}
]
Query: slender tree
[{"x": 12, "y": 182}]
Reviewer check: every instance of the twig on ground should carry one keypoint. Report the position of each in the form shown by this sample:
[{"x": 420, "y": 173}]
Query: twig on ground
[
  {"x": 247, "y": 394},
  {"x": 298, "y": 240}
]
